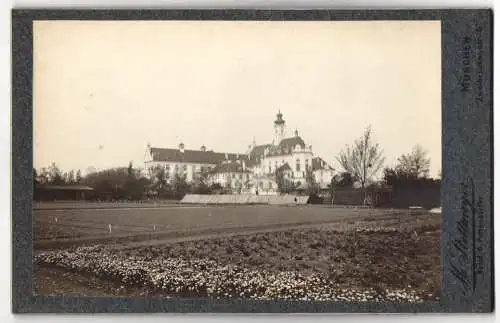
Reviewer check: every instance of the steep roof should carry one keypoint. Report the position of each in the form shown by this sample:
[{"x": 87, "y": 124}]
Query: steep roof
[
  {"x": 255, "y": 153},
  {"x": 259, "y": 150},
  {"x": 290, "y": 143},
  {"x": 232, "y": 167},
  {"x": 285, "y": 147},
  {"x": 192, "y": 156},
  {"x": 318, "y": 163}
]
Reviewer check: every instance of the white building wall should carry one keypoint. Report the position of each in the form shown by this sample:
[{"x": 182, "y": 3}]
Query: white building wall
[{"x": 323, "y": 176}]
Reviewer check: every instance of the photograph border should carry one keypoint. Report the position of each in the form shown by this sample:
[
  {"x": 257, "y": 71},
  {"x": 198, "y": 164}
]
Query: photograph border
[{"x": 467, "y": 165}]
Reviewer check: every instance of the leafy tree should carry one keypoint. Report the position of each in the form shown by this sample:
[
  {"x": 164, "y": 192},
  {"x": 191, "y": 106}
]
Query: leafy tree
[
  {"x": 55, "y": 175},
  {"x": 312, "y": 185},
  {"x": 200, "y": 185},
  {"x": 180, "y": 185},
  {"x": 78, "y": 177},
  {"x": 332, "y": 186},
  {"x": 284, "y": 184},
  {"x": 159, "y": 180},
  {"x": 345, "y": 180},
  {"x": 363, "y": 159},
  {"x": 216, "y": 187},
  {"x": 44, "y": 176},
  {"x": 70, "y": 177},
  {"x": 130, "y": 170},
  {"x": 109, "y": 183},
  {"x": 415, "y": 164},
  {"x": 398, "y": 178}
]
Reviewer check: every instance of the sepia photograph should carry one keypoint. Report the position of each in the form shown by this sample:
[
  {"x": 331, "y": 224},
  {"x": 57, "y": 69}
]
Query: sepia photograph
[{"x": 247, "y": 160}]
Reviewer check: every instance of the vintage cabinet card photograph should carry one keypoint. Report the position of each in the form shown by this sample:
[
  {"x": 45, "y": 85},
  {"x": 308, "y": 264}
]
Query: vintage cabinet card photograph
[{"x": 285, "y": 164}]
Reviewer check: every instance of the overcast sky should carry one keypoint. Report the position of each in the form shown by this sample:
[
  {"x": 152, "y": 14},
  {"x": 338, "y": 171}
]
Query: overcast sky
[{"x": 103, "y": 90}]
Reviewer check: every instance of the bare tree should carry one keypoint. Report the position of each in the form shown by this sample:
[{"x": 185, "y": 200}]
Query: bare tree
[
  {"x": 415, "y": 164},
  {"x": 363, "y": 159}
]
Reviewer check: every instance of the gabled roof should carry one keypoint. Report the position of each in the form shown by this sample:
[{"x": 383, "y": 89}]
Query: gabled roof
[
  {"x": 231, "y": 167},
  {"x": 65, "y": 187},
  {"x": 318, "y": 163},
  {"x": 192, "y": 156}
]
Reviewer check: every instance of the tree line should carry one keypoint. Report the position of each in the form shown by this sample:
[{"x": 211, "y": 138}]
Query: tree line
[{"x": 127, "y": 183}]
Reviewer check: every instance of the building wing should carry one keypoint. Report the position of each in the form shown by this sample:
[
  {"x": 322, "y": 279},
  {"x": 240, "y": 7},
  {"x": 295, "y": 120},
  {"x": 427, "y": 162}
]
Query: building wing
[{"x": 192, "y": 156}]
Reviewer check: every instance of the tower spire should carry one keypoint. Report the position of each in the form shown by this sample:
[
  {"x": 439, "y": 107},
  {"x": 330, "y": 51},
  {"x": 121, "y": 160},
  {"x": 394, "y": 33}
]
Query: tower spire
[{"x": 279, "y": 128}]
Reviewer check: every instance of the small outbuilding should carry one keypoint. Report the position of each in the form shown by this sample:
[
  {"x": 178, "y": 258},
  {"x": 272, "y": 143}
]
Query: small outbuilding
[{"x": 62, "y": 192}]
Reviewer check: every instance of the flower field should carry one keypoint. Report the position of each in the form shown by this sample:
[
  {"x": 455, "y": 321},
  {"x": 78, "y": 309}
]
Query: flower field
[{"x": 377, "y": 259}]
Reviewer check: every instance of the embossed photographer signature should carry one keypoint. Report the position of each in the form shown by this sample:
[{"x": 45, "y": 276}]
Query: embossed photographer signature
[{"x": 467, "y": 253}]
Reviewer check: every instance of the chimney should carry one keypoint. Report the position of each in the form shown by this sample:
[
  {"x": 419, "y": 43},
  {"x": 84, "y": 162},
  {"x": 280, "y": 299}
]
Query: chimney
[
  {"x": 181, "y": 147},
  {"x": 203, "y": 148}
]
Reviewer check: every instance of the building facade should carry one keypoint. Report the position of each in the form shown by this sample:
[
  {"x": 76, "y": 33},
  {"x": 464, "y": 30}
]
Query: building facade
[{"x": 254, "y": 171}]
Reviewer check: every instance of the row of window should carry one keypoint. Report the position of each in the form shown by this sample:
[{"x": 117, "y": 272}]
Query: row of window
[
  {"x": 233, "y": 175},
  {"x": 297, "y": 165},
  {"x": 185, "y": 168}
]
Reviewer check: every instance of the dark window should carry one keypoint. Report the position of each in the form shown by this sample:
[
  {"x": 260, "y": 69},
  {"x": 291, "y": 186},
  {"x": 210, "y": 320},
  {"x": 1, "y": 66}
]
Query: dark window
[{"x": 297, "y": 167}]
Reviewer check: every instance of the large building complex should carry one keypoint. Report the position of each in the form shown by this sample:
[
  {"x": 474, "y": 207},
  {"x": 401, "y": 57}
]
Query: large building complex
[{"x": 254, "y": 171}]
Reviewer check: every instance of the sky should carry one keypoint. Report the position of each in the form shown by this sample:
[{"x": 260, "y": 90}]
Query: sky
[{"x": 103, "y": 90}]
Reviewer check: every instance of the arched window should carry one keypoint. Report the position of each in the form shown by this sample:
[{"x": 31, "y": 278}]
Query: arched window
[
  {"x": 297, "y": 166},
  {"x": 307, "y": 164}
]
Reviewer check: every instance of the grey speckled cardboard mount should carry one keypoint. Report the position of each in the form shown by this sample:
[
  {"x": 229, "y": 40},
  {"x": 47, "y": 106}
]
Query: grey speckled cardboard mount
[{"x": 467, "y": 186}]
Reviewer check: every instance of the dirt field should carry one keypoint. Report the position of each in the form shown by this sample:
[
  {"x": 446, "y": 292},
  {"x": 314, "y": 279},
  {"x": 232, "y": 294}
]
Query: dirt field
[
  {"x": 251, "y": 252},
  {"x": 79, "y": 226}
]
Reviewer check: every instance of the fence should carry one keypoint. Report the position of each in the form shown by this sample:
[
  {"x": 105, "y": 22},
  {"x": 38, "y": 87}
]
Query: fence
[
  {"x": 427, "y": 197},
  {"x": 245, "y": 199}
]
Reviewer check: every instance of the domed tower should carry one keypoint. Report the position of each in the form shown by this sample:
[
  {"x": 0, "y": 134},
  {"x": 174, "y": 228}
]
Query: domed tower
[{"x": 279, "y": 128}]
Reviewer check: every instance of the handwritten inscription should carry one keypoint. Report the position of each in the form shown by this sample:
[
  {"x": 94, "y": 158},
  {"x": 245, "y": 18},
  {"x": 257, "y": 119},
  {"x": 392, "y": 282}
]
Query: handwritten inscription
[{"x": 467, "y": 252}]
